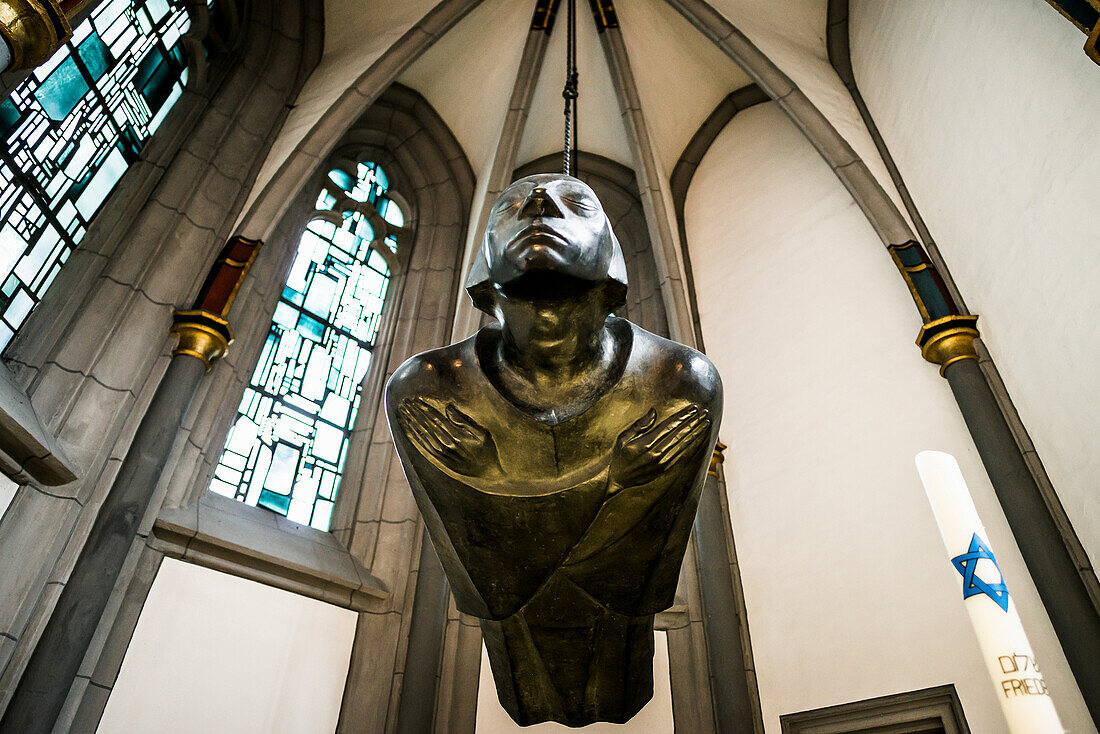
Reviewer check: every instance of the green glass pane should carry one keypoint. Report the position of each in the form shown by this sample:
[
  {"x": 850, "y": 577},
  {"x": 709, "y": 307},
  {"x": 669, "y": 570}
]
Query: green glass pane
[
  {"x": 96, "y": 56},
  {"x": 278, "y": 502},
  {"x": 10, "y": 285},
  {"x": 155, "y": 79},
  {"x": 62, "y": 90},
  {"x": 9, "y": 117},
  {"x": 130, "y": 143}
]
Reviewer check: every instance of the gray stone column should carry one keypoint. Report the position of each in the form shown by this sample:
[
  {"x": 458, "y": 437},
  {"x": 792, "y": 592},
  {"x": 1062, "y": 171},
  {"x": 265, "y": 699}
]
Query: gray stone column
[
  {"x": 53, "y": 666},
  {"x": 732, "y": 691},
  {"x": 652, "y": 183},
  {"x": 416, "y": 708},
  {"x": 467, "y": 318},
  {"x": 710, "y": 551},
  {"x": 1056, "y": 577}
]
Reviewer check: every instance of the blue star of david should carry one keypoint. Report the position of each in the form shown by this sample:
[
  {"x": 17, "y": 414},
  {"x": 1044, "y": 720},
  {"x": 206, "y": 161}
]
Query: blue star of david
[{"x": 967, "y": 563}]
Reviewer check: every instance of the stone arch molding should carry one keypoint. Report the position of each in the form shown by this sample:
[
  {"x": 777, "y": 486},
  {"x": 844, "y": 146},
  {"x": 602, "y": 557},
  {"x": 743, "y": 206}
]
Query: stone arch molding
[{"x": 270, "y": 203}]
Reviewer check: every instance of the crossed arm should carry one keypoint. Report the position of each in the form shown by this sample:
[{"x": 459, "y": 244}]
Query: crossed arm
[{"x": 642, "y": 452}]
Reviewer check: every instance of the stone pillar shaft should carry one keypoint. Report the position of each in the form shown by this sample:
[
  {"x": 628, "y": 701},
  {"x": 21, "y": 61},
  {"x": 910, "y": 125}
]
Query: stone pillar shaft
[
  {"x": 53, "y": 665},
  {"x": 1056, "y": 576},
  {"x": 204, "y": 336},
  {"x": 429, "y": 616},
  {"x": 733, "y": 709}
]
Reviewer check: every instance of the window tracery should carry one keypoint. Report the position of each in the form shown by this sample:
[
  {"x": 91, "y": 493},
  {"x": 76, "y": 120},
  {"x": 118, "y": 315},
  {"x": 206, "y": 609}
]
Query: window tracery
[
  {"x": 286, "y": 448},
  {"x": 71, "y": 129}
]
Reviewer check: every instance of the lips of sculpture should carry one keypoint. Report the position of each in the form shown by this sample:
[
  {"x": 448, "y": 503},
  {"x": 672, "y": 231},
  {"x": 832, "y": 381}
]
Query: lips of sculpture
[{"x": 551, "y": 223}]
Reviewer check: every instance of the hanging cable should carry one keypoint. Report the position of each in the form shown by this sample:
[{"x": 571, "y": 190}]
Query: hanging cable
[{"x": 569, "y": 93}]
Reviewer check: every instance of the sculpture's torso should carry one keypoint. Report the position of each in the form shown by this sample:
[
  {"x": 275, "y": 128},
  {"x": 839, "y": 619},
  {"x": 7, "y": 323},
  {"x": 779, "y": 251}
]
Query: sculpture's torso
[{"x": 565, "y": 577}]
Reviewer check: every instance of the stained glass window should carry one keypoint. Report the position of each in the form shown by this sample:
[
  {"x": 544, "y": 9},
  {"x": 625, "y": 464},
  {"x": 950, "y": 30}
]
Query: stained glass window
[
  {"x": 285, "y": 450},
  {"x": 71, "y": 129}
]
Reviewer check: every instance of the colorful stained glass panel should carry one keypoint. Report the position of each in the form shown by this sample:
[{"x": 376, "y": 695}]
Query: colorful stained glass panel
[
  {"x": 71, "y": 129},
  {"x": 286, "y": 449}
]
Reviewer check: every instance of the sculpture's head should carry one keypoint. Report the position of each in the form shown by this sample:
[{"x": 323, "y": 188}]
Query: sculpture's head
[{"x": 548, "y": 224}]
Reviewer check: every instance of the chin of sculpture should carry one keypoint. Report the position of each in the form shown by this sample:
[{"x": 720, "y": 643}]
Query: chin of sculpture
[{"x": 557, "y": 459}]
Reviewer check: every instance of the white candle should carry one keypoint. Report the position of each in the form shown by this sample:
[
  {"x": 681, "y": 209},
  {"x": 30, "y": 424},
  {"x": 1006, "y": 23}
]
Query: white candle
[{"x": 1019, "y": 684}]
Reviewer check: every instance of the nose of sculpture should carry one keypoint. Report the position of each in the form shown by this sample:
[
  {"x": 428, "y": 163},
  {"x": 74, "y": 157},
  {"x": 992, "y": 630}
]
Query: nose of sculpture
[{"x": 539, "y": 204}]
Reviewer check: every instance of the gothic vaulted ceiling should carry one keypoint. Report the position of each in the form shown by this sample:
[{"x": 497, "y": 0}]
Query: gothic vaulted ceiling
[{"x": 467, "y": 73}]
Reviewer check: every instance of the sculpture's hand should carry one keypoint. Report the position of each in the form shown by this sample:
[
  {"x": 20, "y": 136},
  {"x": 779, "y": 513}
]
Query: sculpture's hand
[
  {"x": 453, "y": 438},
  {"x": 643, "y": 451}
]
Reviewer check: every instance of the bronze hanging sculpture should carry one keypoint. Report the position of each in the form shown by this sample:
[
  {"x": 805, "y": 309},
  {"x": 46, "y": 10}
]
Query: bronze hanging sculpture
[{"x": 557, "y": 458}]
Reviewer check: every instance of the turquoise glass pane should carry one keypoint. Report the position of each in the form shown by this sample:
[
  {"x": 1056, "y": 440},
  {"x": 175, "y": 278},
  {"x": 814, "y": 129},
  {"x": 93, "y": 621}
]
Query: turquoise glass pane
[
  {"x": 310, "y": 327},
  {"x": 280, "y": 503},
  {"x": 157, "y": 74},
  {"x": 96, "y": 56},
  {"x": 341, "y": 179},
  {"x": 62, "y": 90},
  {"x": 9, "y": 117}
]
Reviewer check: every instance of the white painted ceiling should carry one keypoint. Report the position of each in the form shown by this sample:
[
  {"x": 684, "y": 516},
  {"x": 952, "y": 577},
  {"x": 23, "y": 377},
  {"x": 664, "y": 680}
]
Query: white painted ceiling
[
  {"x": 601, "y": 128},
  {"x": 468, "y": 74}
]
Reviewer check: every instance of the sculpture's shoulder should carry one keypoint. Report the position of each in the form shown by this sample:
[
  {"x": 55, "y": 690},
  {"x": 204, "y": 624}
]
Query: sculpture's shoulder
[
  {"x": 684, "y": 373},
  {"x": 436, "y": 373}
]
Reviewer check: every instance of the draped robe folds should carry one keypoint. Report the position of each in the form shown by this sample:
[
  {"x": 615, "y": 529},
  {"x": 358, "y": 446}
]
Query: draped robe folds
[{"x": 564, "y": 576}]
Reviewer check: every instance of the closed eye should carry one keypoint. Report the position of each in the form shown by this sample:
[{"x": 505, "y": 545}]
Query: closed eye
[
  {"x": 507, "y": 203},
  {"x": 580, "y": 203}
]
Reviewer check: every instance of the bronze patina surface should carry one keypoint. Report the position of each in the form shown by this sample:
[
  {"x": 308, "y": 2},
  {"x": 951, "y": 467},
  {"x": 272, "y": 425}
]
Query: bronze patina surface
[{"x": 557, "y": 458}]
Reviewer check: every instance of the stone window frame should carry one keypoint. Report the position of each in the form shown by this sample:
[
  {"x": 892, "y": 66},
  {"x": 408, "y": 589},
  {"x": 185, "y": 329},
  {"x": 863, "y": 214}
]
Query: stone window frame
[
  {"x": 200, "y": 526},
  {"x": 925, "y": 711},
  {"x": 228, "y": 535}
]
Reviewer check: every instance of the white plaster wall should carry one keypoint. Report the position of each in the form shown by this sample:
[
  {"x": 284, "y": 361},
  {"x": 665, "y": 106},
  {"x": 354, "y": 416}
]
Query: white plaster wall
[
  {"x": 654, "y": 718},
  {"x": 792, "y": 35},
  {"x": 8, "y": 489},
  {"x": 994, "y": 121},
  {"x": 485, "y": 46},
  {"x": 850, "y": 594},
  {"x": 215, "y": 654}
]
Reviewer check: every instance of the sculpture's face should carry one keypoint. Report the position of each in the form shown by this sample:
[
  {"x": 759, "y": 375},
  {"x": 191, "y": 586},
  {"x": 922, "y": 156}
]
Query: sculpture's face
[{"x": 548, "y": 222}]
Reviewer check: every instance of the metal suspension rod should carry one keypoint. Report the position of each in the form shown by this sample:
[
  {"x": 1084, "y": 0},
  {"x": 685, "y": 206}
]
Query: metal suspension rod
[{"x": 569, "y": 93}]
